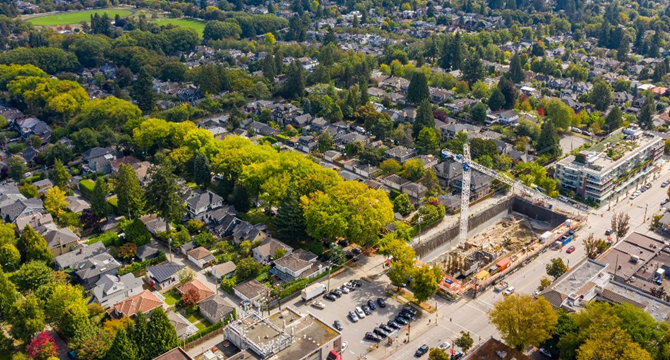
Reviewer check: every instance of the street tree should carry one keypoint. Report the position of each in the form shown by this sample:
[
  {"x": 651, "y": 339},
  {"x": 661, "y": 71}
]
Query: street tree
[
  {"x": 544, "y": 282},
  {"x": 620, "y": 224},
  {"x": 99, "y": 205},
  {"x": 129, "y": 192},
  {"x": 522, "y": 320},
  {"x": 438, "y": 354},
  {"x": 465, "y": 341},
  {"x": 556, "y": 268},
  {"x": 163, "y": 195},
  {"x": 424, "y": 283}
]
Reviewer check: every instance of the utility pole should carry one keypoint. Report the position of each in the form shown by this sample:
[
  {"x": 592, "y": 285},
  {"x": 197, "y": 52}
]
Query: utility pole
[
  {"x": 330, "y": 267},
  {"x": 170, "y": 248},
  {"x": 644, "y": 220}
]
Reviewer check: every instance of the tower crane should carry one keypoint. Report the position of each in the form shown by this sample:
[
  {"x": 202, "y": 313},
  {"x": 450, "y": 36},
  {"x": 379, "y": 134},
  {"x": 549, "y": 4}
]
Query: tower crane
[{"x": 468, "y": 165}]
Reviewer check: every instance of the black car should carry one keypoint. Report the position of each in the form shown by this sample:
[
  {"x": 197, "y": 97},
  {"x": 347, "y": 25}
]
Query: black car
[
  {"x": 356, "y": 251},
  {"x": 401, "y": 320},
  {"x": 338, "y": 325},
  {"x": 381, "y": 303},
  {"x": 349, "y": 255},
  {"x": 372, "y": 305},
  {"x": 382, "y": 334},
  {"x": 403, "y": 317},
  {"x": 421, "y": 351},
  {"x": 386, "y": 328},
  {"x": 409, "y": 310},
  {"x": 358, "y": 283},
  {"x": 394, "y": 325},
  {"x": 367, "y": 310},
  {"x": 372, "y": 336},
  {"x": 343, "y": 243},
  {"x": 330, "y": 297},
  {"x": 337, "y": 292}
]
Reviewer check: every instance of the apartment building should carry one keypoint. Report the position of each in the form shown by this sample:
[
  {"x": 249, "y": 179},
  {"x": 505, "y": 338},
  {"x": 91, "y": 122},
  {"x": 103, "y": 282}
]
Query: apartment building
[{"x": 609, "y": 166}]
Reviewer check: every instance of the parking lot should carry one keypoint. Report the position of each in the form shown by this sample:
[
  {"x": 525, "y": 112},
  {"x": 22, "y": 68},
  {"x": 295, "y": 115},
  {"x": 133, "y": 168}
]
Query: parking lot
[{"x": 352, "y": 333}]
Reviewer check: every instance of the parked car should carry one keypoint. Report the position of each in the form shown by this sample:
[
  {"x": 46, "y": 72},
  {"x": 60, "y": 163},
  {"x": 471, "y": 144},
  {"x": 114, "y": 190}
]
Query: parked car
[
  {"x": 358, "y": 283},
  {"x": 343, "y": 243},
  {"x": 344, "y": 345},
  {"x": 371, "y": 305},
  {"x": 421, "y": 351},
  {"x": 393, "y": 325},
  {"x": 372, "y": 336},
  {"x": 386, "y": 328},
  {"x": 381, "y": 303},
  {"x": 338, "y": 325},
  {"x": 360, "y": 312},
  {"x": 319, "y": 305},
  {"x": 457, "y": 355},
  {"x": 353, "y": 317},
  {"x": 509, "y": 291},
  {"x": 444, "y": 346},
  {"x": 337, "y": 292},
  {"x": 409, "y": 310},
  {"x": 545, "y": 352},
  {"x": 366, "y": 310},
  {"x": 381, "y": 333},
  {"x": 648, "y": 186},
  {"x": 664, "y": 184},
  {"x": 330, "y": 297},
  {"x": 401, "y": 320},
  {"x": 356, "y": 251},
  {"x": 570, "y": 250},
  {"x": 344, "y": 289}
]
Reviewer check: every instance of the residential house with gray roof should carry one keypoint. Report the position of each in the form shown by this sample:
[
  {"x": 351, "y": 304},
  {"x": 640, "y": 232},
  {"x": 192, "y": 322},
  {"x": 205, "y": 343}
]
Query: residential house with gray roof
[
  {"x": 111, "y": 289},
  {"x": 89, "y": 271},
  {"x": 163, "y": 276},
  {"x": 265, "y": 253},
  {"x": 78, "y": 255},
  {"x": 199, "y": 202},
  {"x": 215, "y": 309}
]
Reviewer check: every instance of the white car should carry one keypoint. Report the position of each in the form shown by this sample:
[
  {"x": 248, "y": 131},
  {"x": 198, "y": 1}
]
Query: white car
[
  {"x": 444, "y": 346},
  {"x": 319, "y": 305},
  {"x": 360, "y": 312},
  {"x": 545, "y": 352},
  {"x": 509, "y": 291},
  {"x": 344, "y": 289},
  {"x": 344, "y": 345}
]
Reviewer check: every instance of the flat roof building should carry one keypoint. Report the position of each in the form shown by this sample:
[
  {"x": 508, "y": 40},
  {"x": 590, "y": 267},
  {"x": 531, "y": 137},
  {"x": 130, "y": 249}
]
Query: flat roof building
[{"x": 610, "y": 165}]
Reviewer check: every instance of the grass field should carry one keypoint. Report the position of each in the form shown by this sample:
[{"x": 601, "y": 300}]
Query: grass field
[
  {"x": 76, "y": 17},
  {"x": 198, "y": 26}
]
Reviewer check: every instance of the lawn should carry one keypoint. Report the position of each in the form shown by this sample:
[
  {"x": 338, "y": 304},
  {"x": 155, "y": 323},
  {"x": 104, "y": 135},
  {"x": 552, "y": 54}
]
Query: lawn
[
  {"x": 171, "y": 298},
  {"x": 76, "y": 17},
  {"x": 199, "y": 321},
  {"x": 198, "y": 26}
]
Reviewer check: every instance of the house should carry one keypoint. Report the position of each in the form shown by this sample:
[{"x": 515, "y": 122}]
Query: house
[
  {"x": 459, "y": 105},
  {"x": 60, "y": 241},
  {"x": 147, "y": 252},
  {"x": 99, "y": 159},
  {"x": 245, "y": 231},
  {"x": 495, "y": 349},
  {"x": 175, "y": 354},
  {"x": 203, "y": 291},
  {"x": 128, "y": 160},
  {"x": 154, "y": 224},
  {"x": 111, "y": 289},
  {"x": 143, "y": 302},
  {"x": 78, "y": 255},
  {"x": 77, "y": 204},
  {"x": 394, "y": 182},
  {"x": 200, "y": 201},
  {"x": 480, "y": 185},
  {"x": 201, "y": 257},
  {"x": 439, "y": 96},
  {"x": 447, "y": 172},
  {"x": 400, "y": 154},
  {"x": 30, "y": 125},
  {"x": 266, "y": 252},
  {"x": 223, "y": 270},
  {"x": 163, "y": 276},
  {"x": 89, "y": 271},
  {"x": 13, "y": 207},
  {"x": 43, "y": 186},
  {"x": 251, "y": 291},
  {"x": 451, "y": 203},
  {"x": 182, "y": 326},
  {"x": 35, "y": 220},
  {"x": 414, "y": 191},
  {"x": 300, "y": 264},
  {"x": 215, "y": 309}
]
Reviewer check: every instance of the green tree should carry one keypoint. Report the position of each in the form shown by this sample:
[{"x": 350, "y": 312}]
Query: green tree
[
  {"x": 10, "y": 257},
  {"x": 614, "y": 119},
  {"x": 240, "y": 198},
  {"x": 472, "y": 69},
  {"x": 363, "y": 85},
  {"x": 163, "y": 195},
  {"x": 202, "y": 172},
  {"x": 140, "y": 335},
  {"x": 402, "y": 205},
  {"x": 413, "y": 169},
  {"x": 427, "y": 142},
  {"x": 438, "y": 354},
  {"x": 123, "y": 348},
  {"x": 27, "y": 318},
  {"x": 559, "y": 114},
  {"x": 8, "y": 295},
  {"x": 33, "y": 246},
  {"x": 522, "y": 320},
  {"x": 556, "y": 268},
  {"x": 478, "y": 112},
  {"x": 325, "y": 141},
  {"x": 162, "y": 335},
  {"x": 99, "y": 205},
  {"x": 424, "y": 283},
  {"x": 129, "y": 192},
  {"x": 509, "y": 91},
  {"x": 517, "y": 74},
  {"x": 294, "y": 87},
  {"x": 137, "y": 233},
  {"x": 17, "y": 167},
  {"x": 290, "y": 221},
  {"x": 60, "y": 175},
  {"x": 31, "y": 275},
  {"x": 464, "y": 342},
  {"x": 646, "y": 117},
  {"x": 143, "y": 91},
  {"x": 601, "y": 95},
  {"x": 248, "y": 268},
  {"x": 424, "y": 118},
  {"x": 418, "y": 88},
  {"x": 549, "y": 141},
  {"x": 390, "y": 166},
  {"x": 403, "y": 260},
  {"x": 496, "y": 100}
]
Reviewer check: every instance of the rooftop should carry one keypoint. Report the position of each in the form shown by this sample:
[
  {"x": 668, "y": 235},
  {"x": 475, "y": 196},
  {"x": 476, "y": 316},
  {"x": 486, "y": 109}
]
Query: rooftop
[{"x": 495, "y": 349}]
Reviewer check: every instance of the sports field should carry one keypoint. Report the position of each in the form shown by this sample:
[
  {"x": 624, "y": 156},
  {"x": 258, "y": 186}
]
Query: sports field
[
  {"x": 76, "y": 17},
  {"x": 198, "y": 26}
]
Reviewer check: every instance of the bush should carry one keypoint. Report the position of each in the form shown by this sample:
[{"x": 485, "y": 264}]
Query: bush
[
  {"x": 137, "y": 266},
  {"x": 86, "y": 188},
  {"x": 137, "y": 232},
  {"x": 108, "y": 239},
  {"x": 228, "y": 284}
]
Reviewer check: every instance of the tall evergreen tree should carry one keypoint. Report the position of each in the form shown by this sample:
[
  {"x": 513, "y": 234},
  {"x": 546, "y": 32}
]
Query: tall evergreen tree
[
  {"x": 294, "y": 87},
  {"x": 143, "y": 91},
  {"x": 472, "y": 69},
  {"x": 509, "y": 91},
  {"x": 163, "y": 195},
  {"x": 162, "y": 335},
  {"x": 418, "y": 88},
  {"x": 129, "y": 192},
  {"x": 424, "y": 118},
  {"x": 123, "y": 348},
  {"x": 33, "y": 246},
  {"x": 517, "y": 74},
  {"x": 549, "y": 141},
  {"x": 646, "y": 117},
  {"x": 496, "y": 100},
  {"x": 269, "y": 70},
  {"x": 202, "y": 173},
  {"x": 59, "y": 175},
  {"x": 363, "y": 85},
  {"x": 99, "y": 205},
  {"x": 140, "y": 336},
  {"x": 290, "y": 220},
  {"x": 240, "y": 198},
  {"x": 614, "y": 119}
]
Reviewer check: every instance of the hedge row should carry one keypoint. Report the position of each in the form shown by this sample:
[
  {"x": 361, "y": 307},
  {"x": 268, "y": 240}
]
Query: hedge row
[{"x": 139, "y": 265}]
